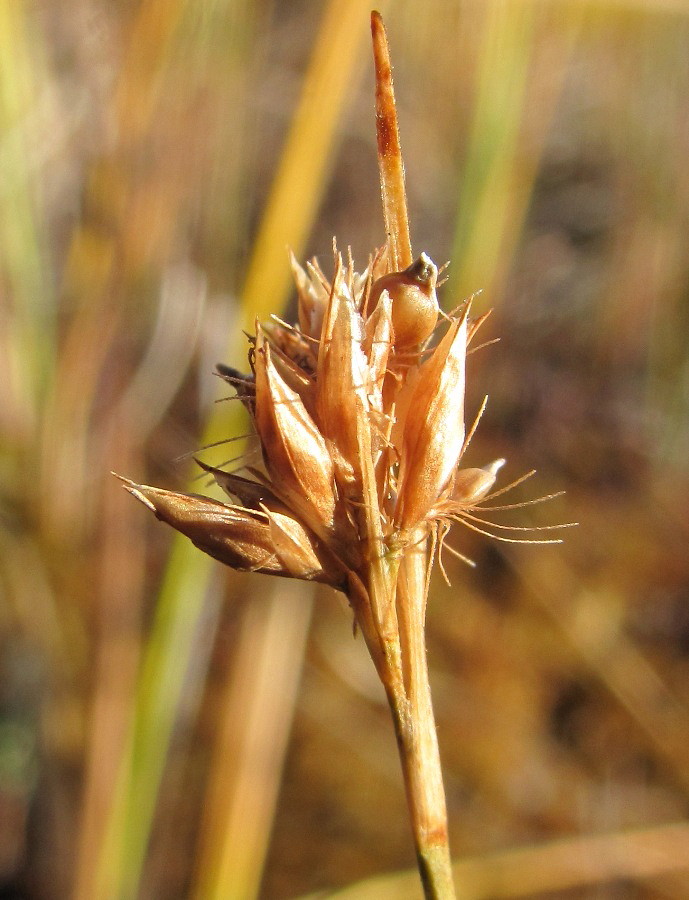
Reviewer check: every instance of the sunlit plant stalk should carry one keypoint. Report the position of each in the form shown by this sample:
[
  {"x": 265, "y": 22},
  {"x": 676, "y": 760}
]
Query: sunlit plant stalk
[{"x": 359, "y": 414}]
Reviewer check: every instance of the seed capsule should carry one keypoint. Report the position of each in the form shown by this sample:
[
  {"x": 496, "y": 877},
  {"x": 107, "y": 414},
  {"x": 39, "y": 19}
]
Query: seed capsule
[
  {"x": 414, "y": 301},
  {"x": 472, "y": 485}
]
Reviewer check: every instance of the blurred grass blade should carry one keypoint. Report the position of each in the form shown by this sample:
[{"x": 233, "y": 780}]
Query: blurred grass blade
[
  {"x": 287, "y": 220},
  {"x": 506, "y": 47},
  {"x": 240, "y": 805},
  {"x": 29, "y": 346},
  {"x": 160, "y": 684},
  {"x": 594, "y": 626},
  {"x": 252, "y": 739},
  {"x": 500, "y": 168},
  {"x": 302, "y": 172},
  {"x": 552, "y": 867}
]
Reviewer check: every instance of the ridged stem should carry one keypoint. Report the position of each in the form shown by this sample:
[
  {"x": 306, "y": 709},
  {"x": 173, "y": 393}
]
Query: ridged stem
[
  {"x": 417, "y": 741},
  {"x": 399, "y": 654}
]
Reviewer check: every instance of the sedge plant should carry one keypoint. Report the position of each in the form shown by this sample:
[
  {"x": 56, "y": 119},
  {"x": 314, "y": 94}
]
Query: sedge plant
[{"x": 358, "y": 409}]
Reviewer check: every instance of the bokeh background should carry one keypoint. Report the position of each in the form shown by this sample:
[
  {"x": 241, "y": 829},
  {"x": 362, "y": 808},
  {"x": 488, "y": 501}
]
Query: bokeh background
[{"x": 169, "y": 729}]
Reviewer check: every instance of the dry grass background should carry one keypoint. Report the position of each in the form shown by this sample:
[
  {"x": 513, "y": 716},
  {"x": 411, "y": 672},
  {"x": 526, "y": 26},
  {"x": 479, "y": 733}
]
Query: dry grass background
[{"x": 169, "y": 729}]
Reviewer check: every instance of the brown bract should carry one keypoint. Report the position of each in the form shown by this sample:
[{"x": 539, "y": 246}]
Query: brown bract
[{"x": 256, "y": 540}]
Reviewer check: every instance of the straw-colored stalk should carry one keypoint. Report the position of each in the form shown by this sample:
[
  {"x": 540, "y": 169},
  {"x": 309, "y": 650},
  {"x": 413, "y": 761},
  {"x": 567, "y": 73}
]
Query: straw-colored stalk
[{"x": 359, "y": 413}]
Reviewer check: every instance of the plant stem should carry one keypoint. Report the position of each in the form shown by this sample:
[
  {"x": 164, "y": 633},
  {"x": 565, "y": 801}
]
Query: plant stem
[
  {"x": 417, "y": 741},
  {"x": 391, "y": 615}
]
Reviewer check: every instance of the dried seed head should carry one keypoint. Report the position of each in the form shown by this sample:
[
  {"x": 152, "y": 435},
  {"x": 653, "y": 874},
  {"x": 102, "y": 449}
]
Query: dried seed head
[
  {"x": 360, "y": 418},
  {"x": 361, "y": 435}
]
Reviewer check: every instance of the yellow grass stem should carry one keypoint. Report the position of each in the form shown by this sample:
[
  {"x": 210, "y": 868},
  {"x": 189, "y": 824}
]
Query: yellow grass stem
[
  {"x": 398, "y": 592},
  {"x": 417, "y": 740},
  {"x": 28, "y": 352},
  {"x": 256, "y": 716},
  {"x": 303, "y": 169}
]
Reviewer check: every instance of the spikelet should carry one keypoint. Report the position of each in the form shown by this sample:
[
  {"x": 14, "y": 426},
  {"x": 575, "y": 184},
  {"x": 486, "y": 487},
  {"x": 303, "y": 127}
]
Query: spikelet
[
  {"x": 294, "y": 450},
  {"x": 246, "y": 539},
  {"x": 361, "y": 437}
]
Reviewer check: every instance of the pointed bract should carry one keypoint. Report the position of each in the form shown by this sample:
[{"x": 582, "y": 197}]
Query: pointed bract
[
  {"x": 251, "y": 494},
  {"x": 295, "y": 452},
  {"x": 343, "y": 406},
  {"x": 434, "y": 428},
  {"x": 377, "y": 345},
  {"x": 244, "y": 539}
]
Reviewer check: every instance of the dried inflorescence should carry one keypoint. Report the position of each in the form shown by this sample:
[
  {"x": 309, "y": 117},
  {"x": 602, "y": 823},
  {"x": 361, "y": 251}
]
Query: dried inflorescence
[{"x": 359, "y": 413}]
